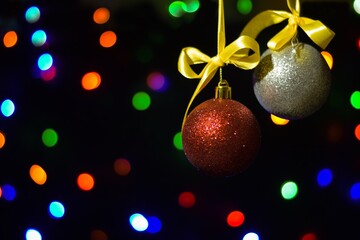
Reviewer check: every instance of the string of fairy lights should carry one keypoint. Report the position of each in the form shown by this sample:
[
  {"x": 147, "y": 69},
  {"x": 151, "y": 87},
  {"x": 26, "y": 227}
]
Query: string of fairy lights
[{"x": 157, "y": 82}]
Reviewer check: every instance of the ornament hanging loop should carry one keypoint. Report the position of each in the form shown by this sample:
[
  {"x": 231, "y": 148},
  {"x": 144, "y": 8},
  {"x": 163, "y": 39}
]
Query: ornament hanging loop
[{"x": 223, "y": 90}]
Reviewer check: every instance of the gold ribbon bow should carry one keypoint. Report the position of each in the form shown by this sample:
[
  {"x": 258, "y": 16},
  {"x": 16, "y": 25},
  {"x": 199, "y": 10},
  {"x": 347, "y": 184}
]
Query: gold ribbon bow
[
  {"x": 235, "y": 53},
  {"x": 315, "y": 29}
]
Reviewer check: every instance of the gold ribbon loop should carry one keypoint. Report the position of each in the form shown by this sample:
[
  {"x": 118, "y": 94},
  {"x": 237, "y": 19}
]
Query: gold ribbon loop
[
  {"x": 316, "y": 30},
  {"x": 236, "y": 53}
]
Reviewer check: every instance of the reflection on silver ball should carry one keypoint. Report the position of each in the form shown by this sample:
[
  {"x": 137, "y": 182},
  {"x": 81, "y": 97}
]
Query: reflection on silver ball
[{"x": 292, "y": 83}]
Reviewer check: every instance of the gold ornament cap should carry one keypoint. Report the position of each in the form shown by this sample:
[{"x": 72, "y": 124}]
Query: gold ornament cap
[{"x": 223, "y": 90}]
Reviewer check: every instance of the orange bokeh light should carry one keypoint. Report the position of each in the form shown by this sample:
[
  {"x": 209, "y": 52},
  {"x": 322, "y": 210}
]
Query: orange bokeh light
[
  {"x": 101, "y": 15},
  {"x": 108, "y": 39},
  {"x": 2, "y": 140},
  {"x": 328, "y": 58},
  {"x": 10, "y": 39},
  {"x": 38, "y": 174},
  {"x": 91, "y": 80},
  {"x": 85, "y": 181},
  {"x": 357, "y": 132}
]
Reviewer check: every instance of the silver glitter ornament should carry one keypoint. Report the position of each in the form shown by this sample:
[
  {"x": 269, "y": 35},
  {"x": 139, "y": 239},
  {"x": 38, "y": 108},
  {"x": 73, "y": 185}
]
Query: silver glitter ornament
[{"x": 292, "y": 83}]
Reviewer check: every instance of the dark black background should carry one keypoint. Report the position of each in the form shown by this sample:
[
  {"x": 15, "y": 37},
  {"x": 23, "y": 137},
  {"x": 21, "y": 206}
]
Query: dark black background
[{"x": 95, "y": 128}]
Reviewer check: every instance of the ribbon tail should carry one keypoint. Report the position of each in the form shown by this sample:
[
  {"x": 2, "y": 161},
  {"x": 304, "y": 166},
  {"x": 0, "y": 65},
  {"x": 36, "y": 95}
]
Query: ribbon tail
[
  {"x": 209, "y": 73},
  {"x": 317, "y": 32}
]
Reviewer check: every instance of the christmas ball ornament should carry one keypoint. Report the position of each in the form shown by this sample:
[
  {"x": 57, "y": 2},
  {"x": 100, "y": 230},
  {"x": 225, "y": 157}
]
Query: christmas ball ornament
[
  {"x": 221, "y": 136},
  {"x": 293, "y": 82}
]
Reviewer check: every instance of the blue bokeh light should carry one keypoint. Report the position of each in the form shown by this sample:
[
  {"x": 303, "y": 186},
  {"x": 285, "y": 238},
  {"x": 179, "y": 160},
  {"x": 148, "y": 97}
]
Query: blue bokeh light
[{"x": 324, "y": 177}]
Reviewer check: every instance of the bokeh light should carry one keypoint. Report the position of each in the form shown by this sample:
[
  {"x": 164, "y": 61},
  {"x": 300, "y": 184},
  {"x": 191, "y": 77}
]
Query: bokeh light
[
  {"x": 10, "y": 39},
  {"x": 278, "y": 120},
  {"x": 122, "y": 166},
  {"x": 355, "y": 99},
  {"x": 244, "y": 6},
  {"x": 33, "y": 234},
  {"x": 85, "y": 181},
  {"x": 141, "y": 101},
  {"x": 355, "y": 191},
  {"x": 356, "y": 6},
  {"x": 358, "y": 43},
  {"x": 156, "y": 81},
  {"x": 98, "y": 234},
  {"x": 101, "y": 15},
  {"x": 177, "y": 8},
  {"x": 138, "y": 222},
  {"x": 49, "y": 137},
  {"x": 251, "y": 236},
  {"x": 357, "y": 132},
  {"x": 107, "y": 39},
  {"x": 8, "y": 192},
  {"x": 154, "y": 224},
  {"x": 191, "y": 6},
  {"x": 235, "y": 219},
  {"x": 324, "y": 177},
  {"x": 38, "y": 174},
  {"x": 328, "y": 58},
  {"x": 56, "y": 209},
  {"x": 289, "y": 190},
  {"x": 49, "y": 74},
  {"x": 309, "y": 236},
  {"x": 2, "y": 139},
  {"x": 7, "y": 108},
  {"x": 32, "y": 14},
  {"x": 91, "y": 80},
  {"x": 186, "y": 199},
  {"x": 45, "y": 61},
  {"x": 177, "y": 141},
  {"x": 38, "y": 38}
]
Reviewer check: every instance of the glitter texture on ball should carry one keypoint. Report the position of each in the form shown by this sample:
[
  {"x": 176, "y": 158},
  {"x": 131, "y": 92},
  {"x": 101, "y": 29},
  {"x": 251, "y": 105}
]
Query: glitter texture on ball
[
  {"x": 292, "y": 83},
  {"x": 221, "y": 137}
]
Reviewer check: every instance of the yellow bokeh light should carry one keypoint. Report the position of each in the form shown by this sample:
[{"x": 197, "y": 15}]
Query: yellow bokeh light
[
  {"x": 38, "y": 174},
  {"x": 91, "y": 80},
  {"x": 278, "y": 120},
  {"x": 10, "y": 39},
  {"x": 107, "y": 39},
  {"x": 101, "y": 15},
  {"x": 328, "y": 58},
  {"x": 2, "y": 140}
]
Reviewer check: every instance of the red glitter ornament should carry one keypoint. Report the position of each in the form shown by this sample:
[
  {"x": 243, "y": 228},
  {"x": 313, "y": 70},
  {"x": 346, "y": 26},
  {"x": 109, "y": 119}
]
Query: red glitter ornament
[{"x": 221, "y": 137}]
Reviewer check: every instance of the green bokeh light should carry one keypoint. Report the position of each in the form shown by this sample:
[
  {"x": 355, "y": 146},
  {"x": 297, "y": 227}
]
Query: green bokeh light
[
  {"x": 7, "y": 108},
  {"x": 177, "y": 8},
  {"x": 356, "y": 6},
  {"x": 244, "y": 6},
  {"x": 45, "y": 61},
  {"x": 49, "y": 137},
  {"x": 355, "y": 99},
  {"x": 192, "y": 6},
  {"x": 177, "y": 141},
  {"x": 289, "y": 190},
  {"x": 38, "y": 38},
  {"x": 32, "y": 14},
  {"x": 141, "y": 101}
]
